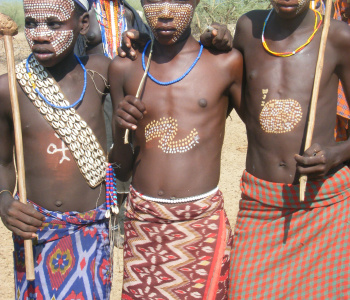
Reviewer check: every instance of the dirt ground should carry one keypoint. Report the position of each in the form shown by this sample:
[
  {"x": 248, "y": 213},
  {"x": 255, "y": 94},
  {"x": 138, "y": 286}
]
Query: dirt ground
[{"x": 232, "y": 165}]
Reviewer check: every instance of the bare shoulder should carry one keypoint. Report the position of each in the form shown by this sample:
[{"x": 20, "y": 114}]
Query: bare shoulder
[
  {"x": 249, "y": 26},
  {"x": 339, "y": 34},
  {"x": 252, "y": 16},
  {"x": 121, "y": 65},
  {"x": 230, "y": 61},
  {"x": 97, "y": 62}
]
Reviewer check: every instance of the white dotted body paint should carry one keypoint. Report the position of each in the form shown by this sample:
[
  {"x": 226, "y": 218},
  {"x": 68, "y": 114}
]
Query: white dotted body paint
[
  {"x": 180, "y": 13},
  {"x": 166, "y": 129},
  {"x": 280, "y": 116},
  {"x": 40, "y": 11}
]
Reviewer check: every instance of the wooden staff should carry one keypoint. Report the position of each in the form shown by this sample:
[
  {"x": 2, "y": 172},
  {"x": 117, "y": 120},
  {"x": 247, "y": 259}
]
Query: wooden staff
[
  {"x": 138, "y": 93},
  {"x": 8, "y": 29},
  {"x": 315, "y": 91}
]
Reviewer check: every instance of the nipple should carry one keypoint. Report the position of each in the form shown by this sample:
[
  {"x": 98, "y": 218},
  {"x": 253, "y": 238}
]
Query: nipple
[{"x": 203, "y": 102}]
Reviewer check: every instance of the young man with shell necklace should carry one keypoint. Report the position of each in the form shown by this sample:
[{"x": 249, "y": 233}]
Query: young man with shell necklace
[
  {"x": 177, "y": 236},
  {"x": 61, "y": 105}
]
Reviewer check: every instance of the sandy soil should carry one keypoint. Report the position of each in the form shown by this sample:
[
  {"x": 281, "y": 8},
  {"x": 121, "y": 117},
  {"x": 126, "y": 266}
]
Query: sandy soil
[{"x": 232, "y": 165}]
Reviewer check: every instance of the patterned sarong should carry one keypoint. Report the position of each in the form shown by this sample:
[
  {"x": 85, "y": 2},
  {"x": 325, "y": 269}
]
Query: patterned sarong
[
  {"x": 71, "y": 258},
  {"x": 343, "y": 116},
  {"x": 343, "y": 111},
  {"x": 284, "y": 249},
  {"x": 176, "y": 251}
]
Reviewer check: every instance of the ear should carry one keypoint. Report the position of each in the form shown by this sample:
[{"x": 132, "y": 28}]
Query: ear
[{"x": 85, "y": 23}]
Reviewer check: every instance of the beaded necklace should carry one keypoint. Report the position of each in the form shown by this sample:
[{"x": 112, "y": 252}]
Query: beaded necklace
[
  {"x": 110, "y": 16},
  {"x": 44, "y": 98},
  {"x": 286, "y": 54},
  {"x": 175, "y": 80}
]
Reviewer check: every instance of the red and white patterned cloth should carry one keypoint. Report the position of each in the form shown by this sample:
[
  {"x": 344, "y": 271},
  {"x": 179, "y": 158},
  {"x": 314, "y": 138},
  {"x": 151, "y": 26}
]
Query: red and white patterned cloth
[{"x": 176, "y": 251}]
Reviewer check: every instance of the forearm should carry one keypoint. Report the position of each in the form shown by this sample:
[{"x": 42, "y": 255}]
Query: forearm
[
  {"x": 7, "y": 183},
  {"x": 342, "y": 152}
]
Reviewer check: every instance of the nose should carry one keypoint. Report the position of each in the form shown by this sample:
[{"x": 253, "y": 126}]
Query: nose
[
  {"x": 41, "y": 34},
  {"x": 165, "y": 12}
]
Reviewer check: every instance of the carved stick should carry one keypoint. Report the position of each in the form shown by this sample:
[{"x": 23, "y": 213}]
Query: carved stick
[
  {"x": 315, "y": 92},
  {"x": 138, "y": 93},
  {"x": 8, "y": 29}
]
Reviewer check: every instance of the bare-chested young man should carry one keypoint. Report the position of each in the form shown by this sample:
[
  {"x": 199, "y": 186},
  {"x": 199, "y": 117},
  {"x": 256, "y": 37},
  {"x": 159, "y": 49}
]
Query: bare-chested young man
[
  {"x": 64, "y": 152},
  {"x": 284, "y": 249},
  {"x": 177, "y": 236}
]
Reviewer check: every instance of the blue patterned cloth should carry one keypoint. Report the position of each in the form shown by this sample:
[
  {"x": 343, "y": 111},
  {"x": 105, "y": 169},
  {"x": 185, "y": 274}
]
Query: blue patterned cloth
[{"x": 71, "y": 258}]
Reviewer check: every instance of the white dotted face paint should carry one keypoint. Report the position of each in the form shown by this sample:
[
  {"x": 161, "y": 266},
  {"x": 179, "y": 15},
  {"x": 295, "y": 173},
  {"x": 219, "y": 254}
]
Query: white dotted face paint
[
  {"x": 181, "y": 14},
  {"x": 301, "y": 5},
  {"x": 40, "y": 12}
]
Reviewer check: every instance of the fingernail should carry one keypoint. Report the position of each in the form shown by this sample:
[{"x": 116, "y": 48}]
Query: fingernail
[
  {"x": 132, "y": 53},
  {"x": 134, "y": 127},
  {"x": 34, "y": 236},
  {"x": 123, "y": 54},
  {"x": 130, "y": 34}
]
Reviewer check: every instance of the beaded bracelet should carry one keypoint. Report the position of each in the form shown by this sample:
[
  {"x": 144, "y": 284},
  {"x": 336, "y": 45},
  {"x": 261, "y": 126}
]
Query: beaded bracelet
[{"x": 3, "y": 191}]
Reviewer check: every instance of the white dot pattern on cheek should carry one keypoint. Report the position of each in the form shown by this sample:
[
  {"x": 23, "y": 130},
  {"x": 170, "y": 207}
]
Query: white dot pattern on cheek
[
  {"x": 180, "y": 13},
  {"x": 301, "y": 5},
  {"x": 60, "y": 40},
  {"x": 274, "y": 5}
]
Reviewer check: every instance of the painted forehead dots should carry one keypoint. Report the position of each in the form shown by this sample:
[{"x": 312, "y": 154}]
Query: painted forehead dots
[
  {"x": 180, "y": 13},
  {"x": 280, "y": 116},
  {"x": 41, "y": 10},
  {"x": 60, "y": 40},
  {"x": 166, "y": 129}
]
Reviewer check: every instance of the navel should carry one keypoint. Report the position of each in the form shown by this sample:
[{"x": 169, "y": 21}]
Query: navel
[
  {"x": 283, "y": 164},
  {"x": 58, "y": 203},
  {"x": 203, "y": 102},
  {"x": 160, "y": 193}
]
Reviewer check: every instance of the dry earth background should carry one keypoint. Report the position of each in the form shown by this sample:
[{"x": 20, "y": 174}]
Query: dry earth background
[{"x": 232, "y": 165}]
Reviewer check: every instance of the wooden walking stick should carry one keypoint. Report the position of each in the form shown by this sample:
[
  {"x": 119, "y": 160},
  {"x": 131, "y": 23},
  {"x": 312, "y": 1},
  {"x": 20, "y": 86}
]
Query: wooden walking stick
[
  {"x": 8, "y": 29},
  {"x": 138, "y": 93},
  {"x": 315, "y": 91}
]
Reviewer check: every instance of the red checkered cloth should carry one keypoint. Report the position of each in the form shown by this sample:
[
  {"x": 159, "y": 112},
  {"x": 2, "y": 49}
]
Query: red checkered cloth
[
  {"x": 343, "y": 116},
  {"x": 287, "y": 249},
  {"x": 177, "y": 251}
]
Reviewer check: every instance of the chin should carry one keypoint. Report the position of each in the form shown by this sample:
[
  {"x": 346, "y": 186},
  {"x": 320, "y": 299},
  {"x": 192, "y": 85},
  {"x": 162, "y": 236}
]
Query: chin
[
  {"x": 46, "y": 60},
  {"x": 165, "y": 40}
]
